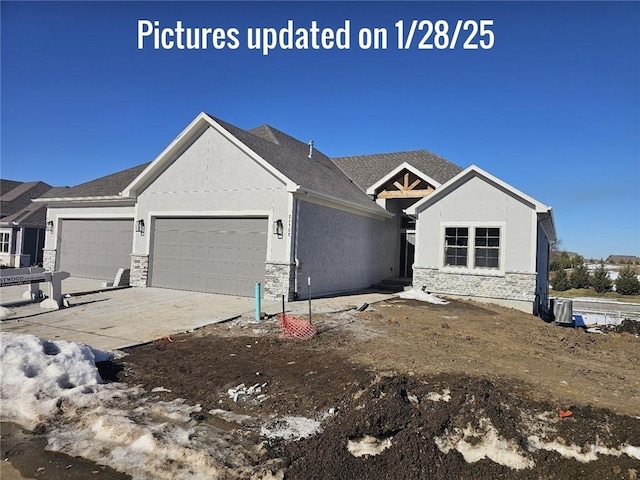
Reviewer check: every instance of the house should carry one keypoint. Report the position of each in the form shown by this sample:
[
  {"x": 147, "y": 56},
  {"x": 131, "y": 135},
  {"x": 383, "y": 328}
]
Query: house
[
  {"x": 222, "y": 208},
  {"x": 22, "y": 223},
  {"x": 631, "y": 259}
]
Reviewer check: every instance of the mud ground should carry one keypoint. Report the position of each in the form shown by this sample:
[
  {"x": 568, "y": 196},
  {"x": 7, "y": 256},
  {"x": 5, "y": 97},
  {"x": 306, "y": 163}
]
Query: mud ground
[{"x": 373, "y": 375}]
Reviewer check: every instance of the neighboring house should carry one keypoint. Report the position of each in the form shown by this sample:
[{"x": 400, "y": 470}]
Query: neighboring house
[
  {"x": 22, "y": 223},
  {"x": 222, "y": 208},
  {"x": 623, "y": 259}
]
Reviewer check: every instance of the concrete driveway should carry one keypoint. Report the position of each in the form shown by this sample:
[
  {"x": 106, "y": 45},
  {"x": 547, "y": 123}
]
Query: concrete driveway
[{"x": 114, "y": 319}]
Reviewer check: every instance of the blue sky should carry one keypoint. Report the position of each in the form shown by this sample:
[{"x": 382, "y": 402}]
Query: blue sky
[{"x": 553, "y": 108}]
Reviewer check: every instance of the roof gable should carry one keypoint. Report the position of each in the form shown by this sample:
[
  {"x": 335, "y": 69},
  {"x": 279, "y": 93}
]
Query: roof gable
[
  {"x": 284, "y": 156},
  {"x": 544, "y": 212},
  {"x": 405, "y": 170}
]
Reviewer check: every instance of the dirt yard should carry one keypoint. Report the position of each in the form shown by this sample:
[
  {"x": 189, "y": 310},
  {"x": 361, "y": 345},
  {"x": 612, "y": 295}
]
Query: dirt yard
[{"x": 411, "y": 390}]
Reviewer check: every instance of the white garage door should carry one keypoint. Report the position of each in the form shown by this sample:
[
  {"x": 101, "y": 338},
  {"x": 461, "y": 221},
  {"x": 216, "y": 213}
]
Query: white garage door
[
  {"x": 95, "y": 248},
  {"x": 216, "y": 255}
]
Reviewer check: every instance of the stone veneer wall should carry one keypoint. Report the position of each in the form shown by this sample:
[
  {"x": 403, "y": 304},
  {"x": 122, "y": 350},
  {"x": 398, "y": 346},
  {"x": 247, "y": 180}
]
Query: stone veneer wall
[
  {"x": 519, "y": 287},
  {"x": 139, "y": 270},
  {"x": 279, "y": 278},
  {"x": 49, "y": 259}
]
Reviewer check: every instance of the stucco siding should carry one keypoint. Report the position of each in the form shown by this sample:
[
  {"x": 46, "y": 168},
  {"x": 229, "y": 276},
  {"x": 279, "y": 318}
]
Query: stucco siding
[
  {"x": 476, "y": 202},
  {"x": 214, "y": 177},
  {"x": 342, "y": 251}
]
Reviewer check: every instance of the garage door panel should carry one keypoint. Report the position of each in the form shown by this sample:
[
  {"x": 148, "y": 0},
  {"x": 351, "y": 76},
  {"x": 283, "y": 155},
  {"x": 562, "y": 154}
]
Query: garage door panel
[
  {"x": 95, "y": 248},
  {"x": 218, "y": 255}
]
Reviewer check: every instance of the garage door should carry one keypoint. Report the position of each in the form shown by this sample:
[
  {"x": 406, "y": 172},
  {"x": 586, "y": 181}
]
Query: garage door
[
  {"x": 95, "y": 248},
  {"x": 216, "y": 255}
]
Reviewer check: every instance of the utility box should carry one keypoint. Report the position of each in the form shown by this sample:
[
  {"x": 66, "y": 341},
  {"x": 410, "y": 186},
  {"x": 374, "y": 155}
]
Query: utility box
[{"x": 562, "y": 309}]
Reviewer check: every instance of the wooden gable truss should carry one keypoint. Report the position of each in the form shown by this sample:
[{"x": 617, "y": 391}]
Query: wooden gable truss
[{"x": 405, "y": 184}]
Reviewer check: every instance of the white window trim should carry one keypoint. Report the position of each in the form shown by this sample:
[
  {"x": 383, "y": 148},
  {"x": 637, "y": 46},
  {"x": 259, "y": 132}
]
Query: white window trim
[
  {"x": 471, "y": 268},
  {"x": 8, "y": 242}
]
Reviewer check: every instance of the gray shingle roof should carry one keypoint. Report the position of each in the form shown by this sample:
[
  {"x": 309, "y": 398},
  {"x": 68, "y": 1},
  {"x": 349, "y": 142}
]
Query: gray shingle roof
[
  {"x": 365, "y": 170},
  {"x": 33, "y": 215},
  {"x": 109, "y": 185},
  {"x": 14, "y": 200},
  {"x": 622, "y": 258},
  {"x": 7, "y": 185},
  {"x": 291, "y": 157},
  {"x": 345, "y": 178}
]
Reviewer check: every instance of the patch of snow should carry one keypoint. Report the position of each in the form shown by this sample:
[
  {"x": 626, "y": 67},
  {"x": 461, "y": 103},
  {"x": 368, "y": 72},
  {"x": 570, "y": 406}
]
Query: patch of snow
[
  {"x": 595, "y": 330},
  {"x": 5, "y": 312},
  {"x": 38, "y": 375},
  {"x": 584, "y": 454},
  {"x": 414, "y": 294},
  {"x": 631, "y": 450},
  {"x": 56, "y": 384},
  {"x": 484, "y": 442},
  {"x": 445, "y": 396},
  {"x": 160, "y": 389},
  {"x": 368, "y": 445},
  {"x": 229, "y": 416},
  {"x": 291, "y": 428}
]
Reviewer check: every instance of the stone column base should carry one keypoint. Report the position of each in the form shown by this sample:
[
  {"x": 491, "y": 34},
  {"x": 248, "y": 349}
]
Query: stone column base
[
  {"x": 49, "y": 259},
  {"x": 279, "y": 279},
  {"x": 139, "y": 270}
]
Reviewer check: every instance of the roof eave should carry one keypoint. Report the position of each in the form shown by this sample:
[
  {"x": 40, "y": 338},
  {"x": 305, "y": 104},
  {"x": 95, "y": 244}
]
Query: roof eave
[
  {"x": 374, "y": 210},
  {"x": 84, "y": 200},
  {"x": 548, "y": 225}
]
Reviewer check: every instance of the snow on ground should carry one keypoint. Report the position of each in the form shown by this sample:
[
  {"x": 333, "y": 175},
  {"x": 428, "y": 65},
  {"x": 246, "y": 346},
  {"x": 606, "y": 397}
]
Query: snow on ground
[
  {"x": 484, "y": 442},
  {"x": 291, "y": 428},
  {"x": 5, "y": 312},
  {"x": 414, "y": 294},
  {"x": 56, "y": 385}
]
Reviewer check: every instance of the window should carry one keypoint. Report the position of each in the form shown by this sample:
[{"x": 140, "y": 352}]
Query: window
[
  {"x": 484, "y": 254},
  {"x": 456, "y": 240},
  {"x": 4, "y": 242},
  {"x": 487, "y": 251}
]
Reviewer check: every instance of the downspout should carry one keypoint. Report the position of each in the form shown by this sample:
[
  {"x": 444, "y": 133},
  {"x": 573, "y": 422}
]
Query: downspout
[{"x": 295, "y": 247}]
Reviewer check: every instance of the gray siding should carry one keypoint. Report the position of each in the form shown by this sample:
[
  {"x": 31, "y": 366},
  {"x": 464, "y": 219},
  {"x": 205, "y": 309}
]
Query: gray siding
[{"x": 342, "y": 251}]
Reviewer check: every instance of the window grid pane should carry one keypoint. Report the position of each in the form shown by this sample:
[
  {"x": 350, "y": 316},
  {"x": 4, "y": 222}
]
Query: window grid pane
[
  {"x": 487, "y": 248},
  {"x": 4, "y": 242},
  {"x": 456, "y": 242}
]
